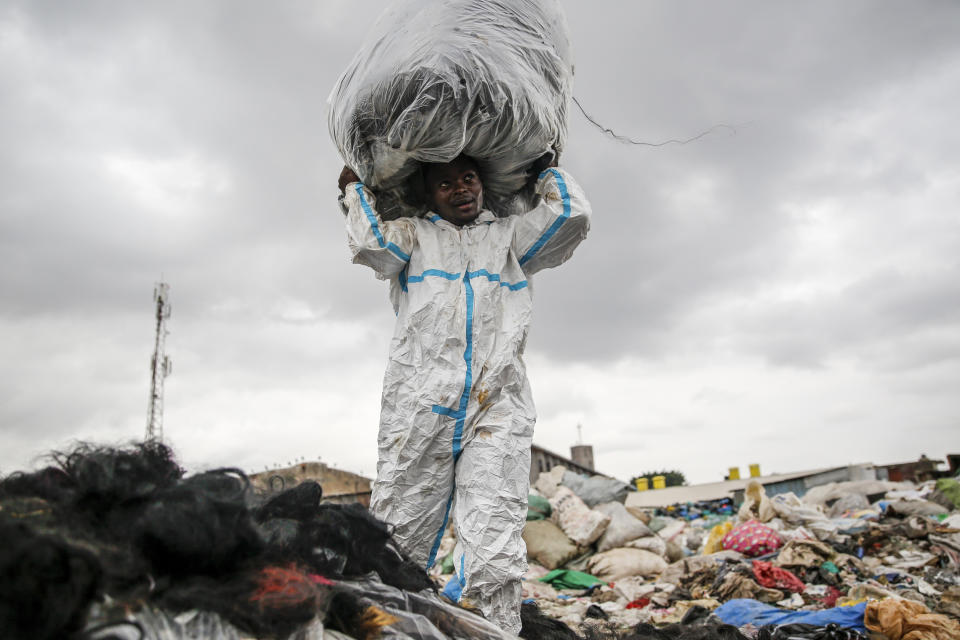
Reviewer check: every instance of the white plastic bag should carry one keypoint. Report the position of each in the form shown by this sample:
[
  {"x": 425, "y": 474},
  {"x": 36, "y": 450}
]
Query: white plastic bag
[
  {"x": 582, "y": 524},
  {"x": 622, "y": 529},
  {"x": 653, "y": 543},
  {"x": 615, "y": 564},
  {"x": 548, "y": 481},
  {"x": 596, "y": 490},
  {"x": 547, "y": 544},
  {"x": 436, "y": 78},
  {"x": 756, "y": 504}
]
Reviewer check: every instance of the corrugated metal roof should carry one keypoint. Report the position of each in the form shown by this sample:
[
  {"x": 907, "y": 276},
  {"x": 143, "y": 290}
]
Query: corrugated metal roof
[{"x": 709, "y": 491}]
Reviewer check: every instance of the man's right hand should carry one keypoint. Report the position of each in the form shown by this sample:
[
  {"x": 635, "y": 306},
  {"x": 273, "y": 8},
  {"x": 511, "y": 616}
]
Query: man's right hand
[
  {"x": 549, "y": 159},
  {"x": 346, "y": 177}
]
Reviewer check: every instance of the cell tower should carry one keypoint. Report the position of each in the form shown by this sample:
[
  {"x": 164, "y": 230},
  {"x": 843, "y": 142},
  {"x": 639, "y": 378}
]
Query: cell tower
[{"x": 160, "y": 366}]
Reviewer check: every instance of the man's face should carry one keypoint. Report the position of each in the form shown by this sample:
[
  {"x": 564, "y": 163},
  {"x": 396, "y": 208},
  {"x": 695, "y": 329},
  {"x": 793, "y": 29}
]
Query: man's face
[{"x": 454, "y": 190}]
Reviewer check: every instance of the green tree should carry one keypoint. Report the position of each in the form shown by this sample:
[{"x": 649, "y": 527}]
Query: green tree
[{"x": 673, "y": 478}]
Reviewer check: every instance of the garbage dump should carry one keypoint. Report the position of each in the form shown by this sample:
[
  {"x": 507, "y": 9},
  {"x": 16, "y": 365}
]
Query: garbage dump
[
  {"x": 847, "y": 560},
  {"x": 491, "y": 79},
  {"x": 120, "y": 543}
]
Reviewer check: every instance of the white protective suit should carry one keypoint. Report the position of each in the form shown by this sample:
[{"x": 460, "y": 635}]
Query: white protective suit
[{"x": 457, "y": 414}]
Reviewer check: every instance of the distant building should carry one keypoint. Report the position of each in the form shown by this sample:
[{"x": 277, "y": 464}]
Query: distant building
[
  {"x": 580, "y": 461},
  {"x": 344, "y": 486},
  {"x": 920, "y": 471},
  {"x": 953, "y": 462},
  {"x": 338, "y": 485},
  {"x": 582, "y": 454},
  {"x": 798, "y": 483}
]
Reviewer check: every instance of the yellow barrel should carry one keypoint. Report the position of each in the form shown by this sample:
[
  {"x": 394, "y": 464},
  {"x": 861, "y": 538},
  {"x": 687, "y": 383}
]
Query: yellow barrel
[
  {"x": 642, "y": 484},
  {"x": 734, "y": 473},
  {"x": 754, "y": 471},
  {"x": 659, "y": 482}
]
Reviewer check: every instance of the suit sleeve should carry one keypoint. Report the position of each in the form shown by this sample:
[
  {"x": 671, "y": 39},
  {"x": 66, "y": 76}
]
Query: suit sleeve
[
  {"x": 547, "y": 235},
  {"x": 382, "y": 245}
]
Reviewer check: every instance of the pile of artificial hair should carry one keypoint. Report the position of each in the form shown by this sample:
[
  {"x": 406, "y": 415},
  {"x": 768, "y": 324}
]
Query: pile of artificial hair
[
  {"x": 107, "y": 539},
  {"x": 104, "y": 531}
]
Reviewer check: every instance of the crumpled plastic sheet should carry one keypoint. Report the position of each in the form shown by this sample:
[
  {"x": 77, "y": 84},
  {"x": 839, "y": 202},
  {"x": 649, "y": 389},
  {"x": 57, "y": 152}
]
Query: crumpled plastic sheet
[
  {"x": 743, "y": 611},
  {"x": 596, "y": 490},
  {"x": 653, "y": 543},
  {"x": 434, "y": 78},
  {"x": 422, "y": 615},
  {"x": 622, "y": 528},
  {"x": 419, "y": 616},
  {"x": 157, "y": 624},
  {"x": 582, "y": 524}
]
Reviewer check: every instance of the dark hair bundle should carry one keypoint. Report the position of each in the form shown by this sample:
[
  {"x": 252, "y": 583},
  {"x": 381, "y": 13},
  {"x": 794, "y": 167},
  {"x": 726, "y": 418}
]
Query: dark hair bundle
[{"x": 126, "y": 523}]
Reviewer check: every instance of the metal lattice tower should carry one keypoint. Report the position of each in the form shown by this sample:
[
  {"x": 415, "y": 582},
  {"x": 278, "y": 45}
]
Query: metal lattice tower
[{"x": 160, "y": 366}]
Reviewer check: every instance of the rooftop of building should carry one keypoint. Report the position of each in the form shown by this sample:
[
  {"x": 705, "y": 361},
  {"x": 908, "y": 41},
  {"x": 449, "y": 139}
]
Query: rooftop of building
[{"x": 711, "y": 490}]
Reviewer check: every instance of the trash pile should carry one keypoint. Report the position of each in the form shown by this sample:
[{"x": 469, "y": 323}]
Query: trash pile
[
  {"x": 118, "y": 543},
  {"x": 847, "y": 560}
]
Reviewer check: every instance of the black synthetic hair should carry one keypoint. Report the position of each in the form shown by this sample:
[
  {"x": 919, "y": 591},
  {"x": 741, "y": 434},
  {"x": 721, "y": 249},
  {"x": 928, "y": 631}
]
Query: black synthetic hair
[
  {"x": 126, "y": 523},
  {"x": 51, "y": 484},
  {"x": 200, "y": 527},
  {"x": 346, "y": 540},
  {"x": 46, "y": 585},
  {"x": 298, "y": 503},
  {"x": 536, "y": 626},
  {"x": 271, "y": 602},
  {"x": 336, "y": 540}
]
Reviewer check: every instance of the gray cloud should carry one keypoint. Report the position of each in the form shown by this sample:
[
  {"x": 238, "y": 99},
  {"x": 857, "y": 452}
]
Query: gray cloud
[{"x": 819, "y": 232}]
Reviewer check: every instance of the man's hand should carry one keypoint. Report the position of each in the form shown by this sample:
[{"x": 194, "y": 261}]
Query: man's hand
[
  {"x": 346, "y": 177},
  {"x": 546, "y": 161}
]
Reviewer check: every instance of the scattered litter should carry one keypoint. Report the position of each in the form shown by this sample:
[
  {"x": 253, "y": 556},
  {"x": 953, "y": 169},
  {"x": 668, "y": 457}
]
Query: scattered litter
[
  {"x": 794, "y": 568},
  {"x": 120, "y": 543}
]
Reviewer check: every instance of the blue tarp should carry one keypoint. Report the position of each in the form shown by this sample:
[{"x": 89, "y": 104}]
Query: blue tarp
[
  {"x": 453, "y": 590},
  {"x": 744, "y": 611}
]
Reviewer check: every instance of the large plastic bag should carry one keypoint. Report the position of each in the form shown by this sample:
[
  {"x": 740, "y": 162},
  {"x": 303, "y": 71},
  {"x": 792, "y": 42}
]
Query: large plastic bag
[
  {"x": 653, "y": 543},
  {"x": 752, "y": 539},
  {"x": 436, "y": 78},
  {"x": 547, "y": 544},
  {"x": 756, "y": 504},
  {"x": 622, "y": 529},
  {"x": 620, "y": 563},
  {"x": 741, "y": 612},
  {"x": 581, "y": 523},
  {"x": 811, "y": 516},
  {"x": 596, "y": 490},
  {"x": 538, "y": 507},
  {"x": 549, "y": 481},
  {"x": 150, "y": 622},
  {"x": 714, "y": 541},
  {"x": 421, "y": 615},
  {"x": 850, "y": 502}
]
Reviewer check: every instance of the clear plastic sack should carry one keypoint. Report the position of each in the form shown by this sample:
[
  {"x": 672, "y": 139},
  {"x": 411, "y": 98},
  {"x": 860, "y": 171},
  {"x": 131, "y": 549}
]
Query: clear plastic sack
[
  {"x": 149, "y": 623},
  {"x": 436, "y": 78},
  {"x": 422, "y": 615}
]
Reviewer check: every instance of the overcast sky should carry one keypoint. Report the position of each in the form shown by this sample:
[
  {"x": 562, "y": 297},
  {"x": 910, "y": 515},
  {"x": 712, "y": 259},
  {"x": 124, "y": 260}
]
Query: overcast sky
[{"x": 783, "y": 291}]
